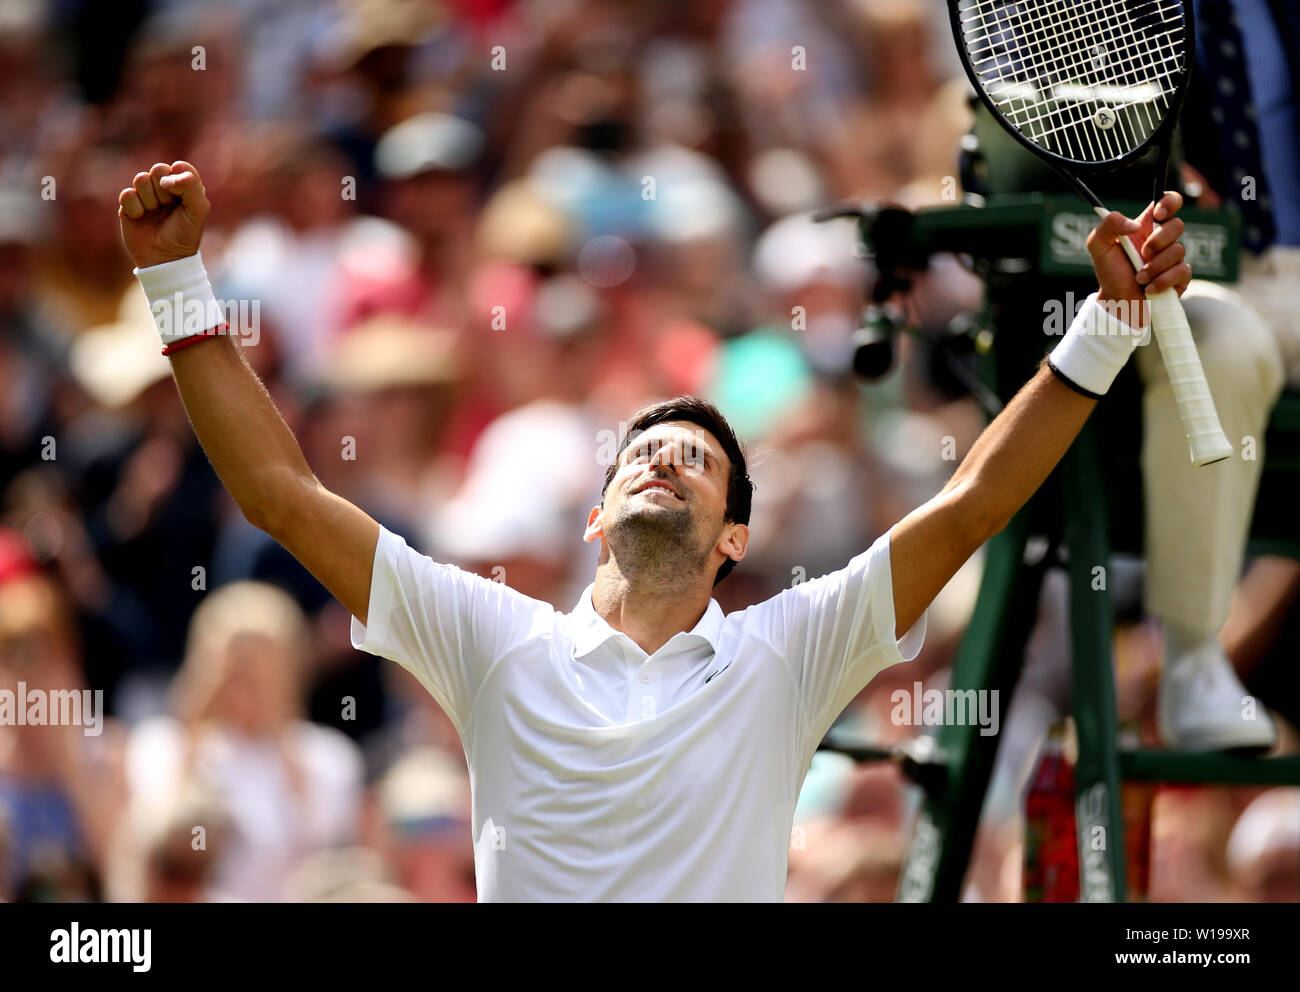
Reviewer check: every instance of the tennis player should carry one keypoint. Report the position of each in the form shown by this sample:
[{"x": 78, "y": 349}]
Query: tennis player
[{"x": 644, "y": 746}]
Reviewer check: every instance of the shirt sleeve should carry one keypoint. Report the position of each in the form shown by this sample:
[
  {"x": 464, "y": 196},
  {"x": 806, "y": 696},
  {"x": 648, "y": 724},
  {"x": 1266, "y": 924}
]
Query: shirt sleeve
[
  {"x": 836, "y": 633},
  {"x": 444, "y": 625}
]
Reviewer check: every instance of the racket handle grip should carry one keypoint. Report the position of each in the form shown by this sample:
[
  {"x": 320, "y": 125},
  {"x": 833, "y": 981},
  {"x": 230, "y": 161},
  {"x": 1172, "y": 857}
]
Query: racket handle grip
[{"x": 1205, "y": 437}]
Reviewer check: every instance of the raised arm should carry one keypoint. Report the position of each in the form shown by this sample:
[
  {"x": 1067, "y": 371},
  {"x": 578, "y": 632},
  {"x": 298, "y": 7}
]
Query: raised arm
[
  {"x": 1019, "y": 449},
  {"x": 251, "y": 448}
]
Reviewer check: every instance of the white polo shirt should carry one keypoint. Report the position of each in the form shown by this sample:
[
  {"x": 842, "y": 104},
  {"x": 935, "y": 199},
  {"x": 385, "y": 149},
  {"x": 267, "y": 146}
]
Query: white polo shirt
[{"x": 601, "y": 773}]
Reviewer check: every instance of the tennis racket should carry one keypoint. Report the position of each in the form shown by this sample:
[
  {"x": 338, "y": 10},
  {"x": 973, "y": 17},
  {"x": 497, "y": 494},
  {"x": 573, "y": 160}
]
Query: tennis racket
[{"x": 1088, "y": 86}]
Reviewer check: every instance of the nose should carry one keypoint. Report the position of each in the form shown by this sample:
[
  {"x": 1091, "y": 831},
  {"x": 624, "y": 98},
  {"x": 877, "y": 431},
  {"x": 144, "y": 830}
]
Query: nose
[{"x": 669, "y": 456}]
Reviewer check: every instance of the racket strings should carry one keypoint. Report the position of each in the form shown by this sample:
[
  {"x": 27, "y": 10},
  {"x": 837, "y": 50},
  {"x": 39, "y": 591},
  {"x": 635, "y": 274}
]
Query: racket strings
[
  {"x": 1088, "y": 42},
  {"x": 1139, "y": 67},
  {"x": 1068, "y": 52},
  {"x": 1059, "y": 61},
  {"x": 1088, "y": 80},
  {"x": 1079, "y": 40}
]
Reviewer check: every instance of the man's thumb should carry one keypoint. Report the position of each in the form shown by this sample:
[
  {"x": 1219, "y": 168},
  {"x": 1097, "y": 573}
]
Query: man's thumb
[{"x": 1115, "y": 226}]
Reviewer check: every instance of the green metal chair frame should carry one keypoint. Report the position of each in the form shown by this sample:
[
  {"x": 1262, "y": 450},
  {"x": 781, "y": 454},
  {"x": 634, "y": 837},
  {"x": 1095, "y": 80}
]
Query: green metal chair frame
[{"x": 1073, "y": 508}]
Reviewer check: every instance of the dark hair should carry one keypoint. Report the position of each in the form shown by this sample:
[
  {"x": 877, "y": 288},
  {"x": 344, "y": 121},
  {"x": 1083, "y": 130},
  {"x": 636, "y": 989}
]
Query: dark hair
[{"x": 693, "y": 410}]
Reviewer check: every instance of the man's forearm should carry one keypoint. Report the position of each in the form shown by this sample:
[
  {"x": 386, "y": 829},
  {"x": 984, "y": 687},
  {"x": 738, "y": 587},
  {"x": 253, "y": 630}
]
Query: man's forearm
[
  {"x": 261, "y": 465},
  {"x": 248, "y": 443},
  {"x": 1019, "y": 449},
  {"x": 1009, "y": 460},
  {"x": 1022, "y": 445},
  {"x": 1007, "y": 463}
]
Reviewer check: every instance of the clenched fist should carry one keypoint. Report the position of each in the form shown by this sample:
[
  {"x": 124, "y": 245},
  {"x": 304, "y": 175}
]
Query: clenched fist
[{"x": 162, "y": 214}]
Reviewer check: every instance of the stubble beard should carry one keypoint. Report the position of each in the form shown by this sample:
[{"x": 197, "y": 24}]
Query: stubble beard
[{"x": 658, "y": 547}]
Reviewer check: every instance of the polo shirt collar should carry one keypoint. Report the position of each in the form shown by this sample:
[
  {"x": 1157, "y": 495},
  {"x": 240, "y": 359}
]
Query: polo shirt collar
[{"x": 589, "y": 629}]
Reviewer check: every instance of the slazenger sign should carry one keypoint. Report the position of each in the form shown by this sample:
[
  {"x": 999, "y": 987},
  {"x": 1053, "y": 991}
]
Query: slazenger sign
[{"x": 1210, "y": 239}]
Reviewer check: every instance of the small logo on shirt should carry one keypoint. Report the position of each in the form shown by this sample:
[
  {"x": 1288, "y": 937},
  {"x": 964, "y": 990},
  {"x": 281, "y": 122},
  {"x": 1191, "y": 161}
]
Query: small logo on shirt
[{"x": 717, "y": 673}]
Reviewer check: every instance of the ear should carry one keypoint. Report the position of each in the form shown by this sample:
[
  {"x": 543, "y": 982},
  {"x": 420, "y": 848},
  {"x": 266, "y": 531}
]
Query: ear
[
  {"x": 734, "y": 541},
  {"x": 594, "y": 529}
]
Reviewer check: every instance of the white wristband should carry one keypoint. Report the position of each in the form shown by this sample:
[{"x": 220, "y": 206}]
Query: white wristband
[
  {"x": 180, "y": 298},
  {"x": 1095, "y": 348}
]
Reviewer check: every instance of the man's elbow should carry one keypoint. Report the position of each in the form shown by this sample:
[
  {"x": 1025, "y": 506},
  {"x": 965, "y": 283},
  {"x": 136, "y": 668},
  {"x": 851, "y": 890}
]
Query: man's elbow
[
  {"x": 259, "y": 516},
  {"x": 982, "y": 514},
  {"x": 990, "y": 525},
  {"x": 274, "y": 508}
]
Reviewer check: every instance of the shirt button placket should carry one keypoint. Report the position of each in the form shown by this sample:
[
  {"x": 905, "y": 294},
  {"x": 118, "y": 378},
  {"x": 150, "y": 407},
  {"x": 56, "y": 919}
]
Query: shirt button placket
[{"x": 642, "y": 704}]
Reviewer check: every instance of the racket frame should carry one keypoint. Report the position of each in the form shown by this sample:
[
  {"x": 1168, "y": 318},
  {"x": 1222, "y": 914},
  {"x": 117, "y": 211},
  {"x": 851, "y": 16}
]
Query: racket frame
[
  {"x": 1066, "y": 167},
  {"x": 1203, "y": 451}
]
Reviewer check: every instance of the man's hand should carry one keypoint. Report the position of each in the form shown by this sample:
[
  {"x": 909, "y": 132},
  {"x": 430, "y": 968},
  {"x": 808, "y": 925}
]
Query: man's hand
[
  {"x": 162, "y": 214},
  {"x": 1159, "y": 248}
]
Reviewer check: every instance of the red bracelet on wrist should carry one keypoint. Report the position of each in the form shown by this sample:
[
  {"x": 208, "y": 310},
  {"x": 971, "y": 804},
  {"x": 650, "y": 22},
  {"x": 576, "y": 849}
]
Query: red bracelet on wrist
[{"x": 194, "y": 339}]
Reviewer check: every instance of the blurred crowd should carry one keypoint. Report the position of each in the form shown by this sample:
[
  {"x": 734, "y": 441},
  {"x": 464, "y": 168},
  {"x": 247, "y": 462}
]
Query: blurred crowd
[{"x": 475, "y": 236}]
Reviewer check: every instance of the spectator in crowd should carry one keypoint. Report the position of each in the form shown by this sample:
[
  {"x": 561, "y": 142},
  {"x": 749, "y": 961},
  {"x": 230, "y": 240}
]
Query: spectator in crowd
[
  {"x": 425, "y": 828},
  {"x": 287, "y": 787},
  {"x": 60, "y": 765}
]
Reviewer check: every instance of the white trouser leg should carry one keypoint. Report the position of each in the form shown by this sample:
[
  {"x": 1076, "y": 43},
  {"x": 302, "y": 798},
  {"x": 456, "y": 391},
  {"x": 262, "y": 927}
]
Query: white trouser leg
[
  {"x": 1197, "y": 518},
  {"x": 1270, "y": 284}
]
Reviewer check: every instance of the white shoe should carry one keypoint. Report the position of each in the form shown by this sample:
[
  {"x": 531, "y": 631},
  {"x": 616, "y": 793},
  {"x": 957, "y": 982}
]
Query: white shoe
[{"x": 1202, "y": 705}]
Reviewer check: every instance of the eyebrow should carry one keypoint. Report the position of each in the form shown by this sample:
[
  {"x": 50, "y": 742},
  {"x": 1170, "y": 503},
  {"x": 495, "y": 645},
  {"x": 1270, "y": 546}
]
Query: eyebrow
[{"x": 636, "y": 447}]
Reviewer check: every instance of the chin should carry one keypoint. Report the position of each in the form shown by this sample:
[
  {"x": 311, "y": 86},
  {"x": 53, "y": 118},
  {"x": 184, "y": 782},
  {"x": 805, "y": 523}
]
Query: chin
[{"x": 676, "y": 515}]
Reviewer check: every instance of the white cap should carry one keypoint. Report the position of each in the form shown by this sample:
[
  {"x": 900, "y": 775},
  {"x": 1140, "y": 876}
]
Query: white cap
[
  {"x": 424, "y": 785},
  {"x": 524, "y": 489},
  {"x": 1270, "y": 823},
  {"x": 21, "y": 219},
  {"x": 797, "y": 251},
  {"x": 425, "y": 143},
  {"x": 117, "y": 362}
]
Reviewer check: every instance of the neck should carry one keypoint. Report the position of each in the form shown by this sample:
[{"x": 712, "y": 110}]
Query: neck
[{"x": 649, "y": 610}]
